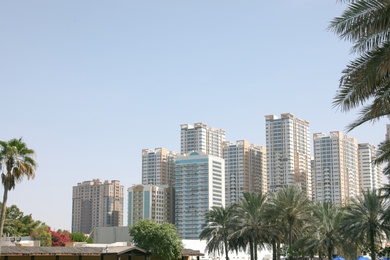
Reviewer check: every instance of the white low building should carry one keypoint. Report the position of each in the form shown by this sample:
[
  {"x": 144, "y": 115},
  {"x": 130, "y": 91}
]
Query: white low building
[{"x": 201, "y": 246}]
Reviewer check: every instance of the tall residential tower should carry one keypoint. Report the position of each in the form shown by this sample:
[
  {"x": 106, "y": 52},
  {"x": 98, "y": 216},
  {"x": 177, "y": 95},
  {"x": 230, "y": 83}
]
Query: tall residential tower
[
  {"x": 245, "y": 169},
  {"x": 200, "y": 185},
  {"x": 97, "y": 204},
  {"x": 201, "y": 138},
  {"x": 148, "y": 202},
  {"x": 336, "y": 167},
  {"x": 288, "y": 153},
  {"x": 370, "y": 174},
  {"x": 158, "y": 167}
]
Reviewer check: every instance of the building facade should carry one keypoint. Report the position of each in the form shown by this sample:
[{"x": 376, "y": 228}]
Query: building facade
[
  {"x": 288, "y": 153},
  {"x": 245, "y": 170},
  {"x": 97, "y": 204},
  {"x": 201, "y": 138},
  {"x": 200, "y": 185},
  {"x": 336, "y": 167},
  {"x": 158, "y": 167},
  {"x": 148, "y": 202},
  {"x": 370, "y": 174}
]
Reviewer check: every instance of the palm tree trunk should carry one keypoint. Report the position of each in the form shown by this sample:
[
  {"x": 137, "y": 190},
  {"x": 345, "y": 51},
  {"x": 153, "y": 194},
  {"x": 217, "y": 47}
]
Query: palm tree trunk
[
  {"x": 278, "y": 250},
  {"x": 255, "y": 248},
  {"x": 330, "y": 253},
  {"x": 3, "y": 209},
  {"x": 274, "y": 250},
  {"x": 372, "y": 245},
  {"x": 251, "y": 249},
  {"x": 289, "y": 241},
  {"x": 226, "y": 249}
]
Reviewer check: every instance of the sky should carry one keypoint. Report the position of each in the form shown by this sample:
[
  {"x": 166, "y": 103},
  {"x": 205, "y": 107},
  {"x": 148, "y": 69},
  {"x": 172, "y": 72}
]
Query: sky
[{"x": 89, "y": 84}]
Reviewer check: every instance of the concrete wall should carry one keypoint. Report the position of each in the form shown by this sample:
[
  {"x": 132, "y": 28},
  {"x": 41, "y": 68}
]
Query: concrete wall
[{"x": 109, "y": 235}]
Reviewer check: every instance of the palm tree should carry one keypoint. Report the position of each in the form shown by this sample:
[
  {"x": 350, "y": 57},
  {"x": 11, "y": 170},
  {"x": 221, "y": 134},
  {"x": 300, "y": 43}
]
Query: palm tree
[
  {"x": 365, "y": 220},
  {"x": 366, "y": 79},
  {"x": 290, "y": 206},
  {"x": 16, "y": 163},
  {"x": 323, "y": 230},
  {"x": 253, "y": 226},
  {"x": 217, "y": 229}
]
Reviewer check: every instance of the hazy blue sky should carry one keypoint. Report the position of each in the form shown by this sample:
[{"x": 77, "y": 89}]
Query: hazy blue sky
[{"x": 88, "y": 84}]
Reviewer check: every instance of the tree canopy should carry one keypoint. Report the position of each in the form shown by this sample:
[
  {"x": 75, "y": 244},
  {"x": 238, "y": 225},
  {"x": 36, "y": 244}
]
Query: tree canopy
[
  {"x": 160, "y": 240},
  {"x": 18, "y": 224}
]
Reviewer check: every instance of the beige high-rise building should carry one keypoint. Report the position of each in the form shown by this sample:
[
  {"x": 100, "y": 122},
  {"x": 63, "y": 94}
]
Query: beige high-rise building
[
  {"x": 201, "y": 138},
  {"x": 97, "y": 204},
  {"x": 158, "y": 166},
  {"x": 245, "y": 170},
  {"x": 288, "y": 153},
  {"x": 336, "y": 167},
  {"x": 370, "y": 174},
  {"x": 149, "y": 202}
]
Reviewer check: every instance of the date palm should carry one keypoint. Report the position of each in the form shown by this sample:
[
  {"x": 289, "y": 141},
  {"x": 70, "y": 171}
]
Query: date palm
[
  {"x": 290, "y": 206},
  {"x": 17, "y": 162},
  {"x": 323, "y": 229},
  {"x": 365, "y": 220},
  {"x": 253, "y": 225},
  {"x": 365, "y": 81},
  {"x": 217, "y": 229}
]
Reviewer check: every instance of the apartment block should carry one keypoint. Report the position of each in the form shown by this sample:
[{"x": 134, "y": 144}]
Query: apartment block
[
  {"x": 245, "y": 170},
  {"x": 149, "y": 202},
  {"x": 200, "y": 185},
  {"x": 336, "y": 167},
  {"x": 158, "y": 166},
  {"x": 201, "y": 138},
  {"x": 370, "y": 174},
  {"x": 288, "y": 153},
  {"x": 97, "y": 204}
]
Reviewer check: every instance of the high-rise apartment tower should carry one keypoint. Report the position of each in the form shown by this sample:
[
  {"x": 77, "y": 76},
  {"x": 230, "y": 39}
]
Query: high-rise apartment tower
[
  {"x": 245, "y": 169},
  {"x": 148, "y": 202},
  {"x": 336, "y": 167},
  {"x": 200, "y": 185},
  {"x": 158, "y": 167},
  {"x": 288, "y": 153},
  {"x": 97, "y": 204},
  {"x": 201, "y": 138},
  {"x": 370, "y": 174}
]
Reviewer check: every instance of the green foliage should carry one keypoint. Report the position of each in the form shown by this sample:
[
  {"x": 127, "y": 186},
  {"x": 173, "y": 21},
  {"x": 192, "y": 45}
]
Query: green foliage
[
  {"x": 161, "y": 240},
  {"x": 42, "y": 234},
  {"x": 218, "y": 228},
  {"x": 365, "y": 220},
  {"x": 80, "y": 237},
  {"x": 18, "y": 224}
]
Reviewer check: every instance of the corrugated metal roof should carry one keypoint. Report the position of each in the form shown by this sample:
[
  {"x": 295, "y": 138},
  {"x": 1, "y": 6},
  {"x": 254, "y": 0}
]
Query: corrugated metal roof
[
  {"x": 35, "y": 250},
  {"x": 58, "y": 250}
]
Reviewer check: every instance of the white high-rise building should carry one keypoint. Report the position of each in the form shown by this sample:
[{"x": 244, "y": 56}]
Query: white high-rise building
[
  {"x": 288, "y": 153},
  {"x": 158, "y": 167},
  {"x": 336, "y": 167},
  {"x": 148, "y": 202},
  {"x": 370, "y": 174},
  {"x": 97, "y": 204},
  {"x": 201, "y": 138},
  {"x": 200, "y": 185},
  {"x": 245, "y": 169}
]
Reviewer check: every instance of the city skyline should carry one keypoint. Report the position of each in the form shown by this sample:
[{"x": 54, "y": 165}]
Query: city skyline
[{"x": 90, "y": 84}]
